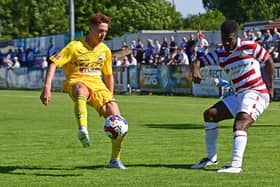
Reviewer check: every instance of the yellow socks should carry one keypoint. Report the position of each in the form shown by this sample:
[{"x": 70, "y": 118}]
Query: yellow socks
[
  {"x": 116, "y": 148},
  {"x": 81, "y": 110}
]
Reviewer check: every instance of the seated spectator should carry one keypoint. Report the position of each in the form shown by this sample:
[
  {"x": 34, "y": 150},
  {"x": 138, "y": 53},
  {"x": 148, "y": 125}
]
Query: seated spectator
[
  {"x": 125, "y": 61},
  {"x": 166, "y": 57},
  {"x": 132, "y": 60},
  {"x": 182, "y": 58},
  {"x": 16, "y": 63},
  {"x": 116, "y": 61}
]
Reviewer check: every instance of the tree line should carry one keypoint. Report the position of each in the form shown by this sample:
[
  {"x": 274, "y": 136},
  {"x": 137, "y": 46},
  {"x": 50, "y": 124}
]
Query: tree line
[{"x": 31, "y": 18}]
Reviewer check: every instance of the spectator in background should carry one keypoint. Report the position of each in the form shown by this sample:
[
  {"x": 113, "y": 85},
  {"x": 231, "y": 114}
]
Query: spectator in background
[
  {"x": 165, "y": 57},
  {"x": 133, "y": 47},
  {"x": 16, "y": 63},
  {"x": 125, "y": 61},
  {"x": 244, "y": 36},
  {"x": 163, "y": 47},
  {"x": 202, "y": 45},
  {"x": 252, "y": 36},
  {"x": 44, "y": 63},
  {"x": 191, "y": 50},
  {"x": 267, "y": 40},
  {"x": 183, "y": 43},
  {"x": 11, "y": 53},
  {"x": 182, "y": 58},
  {"x": 259, "y": 38},
  {"x": 192, "y": 37},
  {"x": 124, "y": 45},
  {"x": 139, "y": 51},
  {"x": 276, "y": 39},
  {"x": 132, "y": 60},
  {"x": 22, "y": 57},
  {"x": 116, "y": 61},
  {"x": 1, "y": 58},
  {"x": 149, "y": 52},
  {"x": 157, "y": 46},
  {"x": 30, "y": 57},
  {"x": 7, "y": 61},
  {"x": 172, "y": 46}
]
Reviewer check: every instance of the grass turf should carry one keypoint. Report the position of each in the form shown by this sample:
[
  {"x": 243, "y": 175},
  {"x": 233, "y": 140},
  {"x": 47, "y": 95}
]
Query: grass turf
[{"x": 39, "y": 145}]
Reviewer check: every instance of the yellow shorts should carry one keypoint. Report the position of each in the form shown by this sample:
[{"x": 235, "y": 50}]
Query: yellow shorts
[{"x": 99, "y": 94}]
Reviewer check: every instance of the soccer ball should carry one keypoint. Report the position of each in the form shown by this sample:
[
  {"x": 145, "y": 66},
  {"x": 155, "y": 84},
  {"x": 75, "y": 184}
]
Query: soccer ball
[{"x": 115, "y": 127}]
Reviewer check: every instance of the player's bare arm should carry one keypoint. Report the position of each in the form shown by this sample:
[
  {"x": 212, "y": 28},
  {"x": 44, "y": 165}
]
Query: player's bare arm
[
  {"x": 109, "y": 82},
  {"x": 269, "y": 67},
  {"x": 46, "y": 92},
  {"x": 196, "y": 76}
]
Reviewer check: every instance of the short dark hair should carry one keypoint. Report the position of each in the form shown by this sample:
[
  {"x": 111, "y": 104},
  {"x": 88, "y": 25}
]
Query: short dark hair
[
  {"x": 98, "y": 18},
  {"x": 229, "y": 26}
]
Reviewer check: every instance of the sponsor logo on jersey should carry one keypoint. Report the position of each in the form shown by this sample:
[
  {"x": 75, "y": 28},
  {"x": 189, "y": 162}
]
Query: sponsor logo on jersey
[{"x": 100, "y": 58}]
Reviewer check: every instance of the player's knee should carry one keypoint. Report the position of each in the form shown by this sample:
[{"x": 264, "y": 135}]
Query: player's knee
[
  {"x": 209, "y": 115},
  {"x": 240, "y": 126},
  {"x": 242, "y": 122},
  {"x": 80, "y": 89},
  {"x": 110, "y": 108}
]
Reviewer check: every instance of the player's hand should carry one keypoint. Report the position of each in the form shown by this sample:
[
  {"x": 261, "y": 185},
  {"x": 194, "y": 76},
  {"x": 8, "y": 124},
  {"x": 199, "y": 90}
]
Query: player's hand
[
  {"x": 45, "y": 96},
  {"x": 196, "y": 76}
]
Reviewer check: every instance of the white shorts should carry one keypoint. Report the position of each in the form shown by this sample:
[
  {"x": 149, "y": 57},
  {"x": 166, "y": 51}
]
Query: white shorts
[{"x": 250, "y": 102}]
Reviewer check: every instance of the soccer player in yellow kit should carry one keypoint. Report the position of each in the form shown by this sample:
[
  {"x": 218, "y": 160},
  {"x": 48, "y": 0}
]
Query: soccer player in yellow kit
[{"x": 84, "y": 61}]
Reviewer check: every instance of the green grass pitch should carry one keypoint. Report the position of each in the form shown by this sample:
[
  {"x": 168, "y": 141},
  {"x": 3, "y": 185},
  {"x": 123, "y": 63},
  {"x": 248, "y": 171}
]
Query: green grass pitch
[{"x": 39, "y": 145}]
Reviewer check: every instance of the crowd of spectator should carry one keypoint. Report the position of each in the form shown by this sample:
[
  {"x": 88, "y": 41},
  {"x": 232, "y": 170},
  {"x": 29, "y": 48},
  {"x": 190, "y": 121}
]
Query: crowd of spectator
[
  {"x": 269, "y": 39},
  {"x": 16, "y": 58},
  {"x": 169, "y": 52}
]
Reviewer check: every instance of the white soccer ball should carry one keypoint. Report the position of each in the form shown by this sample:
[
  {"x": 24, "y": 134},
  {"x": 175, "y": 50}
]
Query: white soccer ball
[{"x": 115, "y": 127}]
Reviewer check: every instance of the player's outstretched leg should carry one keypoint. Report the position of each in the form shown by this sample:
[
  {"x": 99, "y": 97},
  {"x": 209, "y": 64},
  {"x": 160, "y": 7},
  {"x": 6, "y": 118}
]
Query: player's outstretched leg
[{"x": 81, "y": 116}]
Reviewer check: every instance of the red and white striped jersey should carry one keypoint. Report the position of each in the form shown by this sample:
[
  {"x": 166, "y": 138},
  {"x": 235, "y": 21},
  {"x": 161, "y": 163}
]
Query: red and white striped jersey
[{"x": 242, "y": 64}]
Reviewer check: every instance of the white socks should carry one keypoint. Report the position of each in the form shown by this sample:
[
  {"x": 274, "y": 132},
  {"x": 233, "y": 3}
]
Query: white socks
[
  {"x": 239, "y": 145},
  {"x": 211, "y": 135}
]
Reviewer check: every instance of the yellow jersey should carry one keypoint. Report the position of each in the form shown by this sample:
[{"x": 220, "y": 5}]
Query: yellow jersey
[{"x": 78, "y": 59}]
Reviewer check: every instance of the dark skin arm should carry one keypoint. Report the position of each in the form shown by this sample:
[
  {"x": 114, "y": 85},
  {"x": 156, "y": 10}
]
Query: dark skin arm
[
  {"x": 196, "y": 75},
  {"x": 269, "y": 69}
]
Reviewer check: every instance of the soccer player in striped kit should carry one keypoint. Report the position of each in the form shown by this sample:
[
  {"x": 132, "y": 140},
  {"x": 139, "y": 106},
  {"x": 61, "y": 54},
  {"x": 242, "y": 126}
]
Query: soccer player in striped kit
[{"x": 241, "y": 60}]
